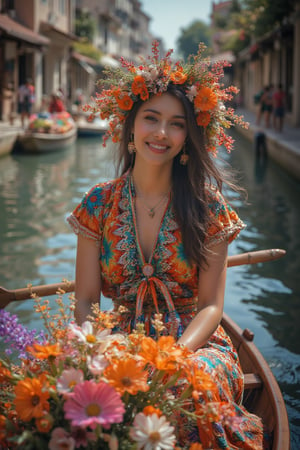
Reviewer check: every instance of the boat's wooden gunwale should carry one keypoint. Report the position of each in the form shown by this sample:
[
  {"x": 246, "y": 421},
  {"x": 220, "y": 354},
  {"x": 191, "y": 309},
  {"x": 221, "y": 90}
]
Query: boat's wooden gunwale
[{"x": 262, "y": 397}]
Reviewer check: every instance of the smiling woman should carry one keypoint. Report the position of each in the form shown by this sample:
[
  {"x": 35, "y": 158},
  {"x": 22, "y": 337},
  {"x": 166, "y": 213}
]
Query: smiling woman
[{"x": 154, "y": 240}]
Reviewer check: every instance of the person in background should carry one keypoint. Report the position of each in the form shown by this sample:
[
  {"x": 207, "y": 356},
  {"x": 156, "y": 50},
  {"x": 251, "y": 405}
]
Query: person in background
[
  {"x": 56, "y": 104},
  {"x": 279, "y": 106},
  {"x": 155, "y": 238},
  {"x": 26, "y": 98},
  {"x": 260, "y": 106},
  {"x": 267, "y": 105}
]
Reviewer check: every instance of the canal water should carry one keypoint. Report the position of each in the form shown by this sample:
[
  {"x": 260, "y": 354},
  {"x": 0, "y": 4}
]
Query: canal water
[{"x": 37, "y": 192}]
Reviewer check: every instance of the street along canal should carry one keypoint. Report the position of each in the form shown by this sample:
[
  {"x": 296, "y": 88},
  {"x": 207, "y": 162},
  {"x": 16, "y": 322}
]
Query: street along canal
[{"x": 37, "y": 192}]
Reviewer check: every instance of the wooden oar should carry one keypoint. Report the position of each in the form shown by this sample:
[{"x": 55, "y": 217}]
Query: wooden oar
[{"x": 7, "y": 296}]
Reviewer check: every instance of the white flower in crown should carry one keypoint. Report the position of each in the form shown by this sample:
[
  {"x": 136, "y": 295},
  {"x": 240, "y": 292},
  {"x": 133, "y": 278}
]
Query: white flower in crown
[{"x": 191, "y": 93}]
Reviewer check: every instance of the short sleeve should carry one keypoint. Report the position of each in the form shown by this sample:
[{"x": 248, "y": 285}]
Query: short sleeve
[
  {"x": 224, "y": 223},
  {"x": 86, "y": 219}
]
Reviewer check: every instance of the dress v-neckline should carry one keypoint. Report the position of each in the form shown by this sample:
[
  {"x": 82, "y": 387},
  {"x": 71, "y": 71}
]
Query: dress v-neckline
[{"x": 147, "y": 266}]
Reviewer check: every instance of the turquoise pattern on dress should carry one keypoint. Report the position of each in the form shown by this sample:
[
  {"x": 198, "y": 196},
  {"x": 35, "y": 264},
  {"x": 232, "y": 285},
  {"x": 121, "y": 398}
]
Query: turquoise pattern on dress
[{"x": 105, "y": 215}]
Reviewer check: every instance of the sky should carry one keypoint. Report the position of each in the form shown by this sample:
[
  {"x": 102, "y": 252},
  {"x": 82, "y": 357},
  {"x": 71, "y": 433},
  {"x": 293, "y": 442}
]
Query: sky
[{"x": 169, "y": 16}]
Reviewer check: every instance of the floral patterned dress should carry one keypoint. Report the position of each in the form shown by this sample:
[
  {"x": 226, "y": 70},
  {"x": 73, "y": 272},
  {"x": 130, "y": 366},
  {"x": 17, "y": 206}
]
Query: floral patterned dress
[{"x": 166, "y": 283}]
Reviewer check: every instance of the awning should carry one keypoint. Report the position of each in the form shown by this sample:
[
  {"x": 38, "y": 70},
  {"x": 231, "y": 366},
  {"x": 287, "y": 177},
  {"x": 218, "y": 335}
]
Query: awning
[
  {"x": 107, "y": 60},
  {"x": 89, "y": 69},
  {"x": 53, "y": 32},
  {"x": 88, "y": 64},
  {"x": 13, "y": 29}
]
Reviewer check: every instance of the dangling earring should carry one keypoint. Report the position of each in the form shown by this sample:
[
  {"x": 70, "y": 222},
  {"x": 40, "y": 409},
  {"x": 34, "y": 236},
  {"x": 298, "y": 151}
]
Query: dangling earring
[
  {"x": 131, "y": 146},
  {"x": 184, "y": 156}
]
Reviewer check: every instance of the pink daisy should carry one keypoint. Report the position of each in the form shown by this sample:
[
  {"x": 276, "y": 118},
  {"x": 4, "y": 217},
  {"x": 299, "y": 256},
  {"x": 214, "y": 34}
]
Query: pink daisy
[
  {"x": 94, "y": 403},
  {"x": 61, "y": 440}
]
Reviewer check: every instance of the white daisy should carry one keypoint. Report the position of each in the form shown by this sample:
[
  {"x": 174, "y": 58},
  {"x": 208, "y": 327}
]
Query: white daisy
[
  {"x": 68, "y": 379},
  {"x": 96, "y": 364},
  {"x": 152, "y": 432},
  {"x": 86, "y": 334}
]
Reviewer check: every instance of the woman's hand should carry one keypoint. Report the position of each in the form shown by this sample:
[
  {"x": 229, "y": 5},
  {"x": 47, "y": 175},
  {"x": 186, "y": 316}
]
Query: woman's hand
[{"x": 211, "y": 290}]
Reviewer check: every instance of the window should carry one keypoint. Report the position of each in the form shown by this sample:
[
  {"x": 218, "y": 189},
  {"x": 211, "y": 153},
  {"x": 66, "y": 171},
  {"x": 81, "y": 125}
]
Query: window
[{"x": 62, "y": 7}]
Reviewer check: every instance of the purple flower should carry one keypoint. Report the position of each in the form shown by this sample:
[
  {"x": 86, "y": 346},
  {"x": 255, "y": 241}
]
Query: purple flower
[{"x": 16, "y": 335}]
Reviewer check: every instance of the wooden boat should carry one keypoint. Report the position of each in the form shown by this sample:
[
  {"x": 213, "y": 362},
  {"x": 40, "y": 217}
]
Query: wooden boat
[
  {"x": 7, "y": 141},
  {"x": 48, "y": 132},
  {"x": 33, "y": 142},
  {"x": 262, "y": 395},
  {"x": 86, "y": 128}
]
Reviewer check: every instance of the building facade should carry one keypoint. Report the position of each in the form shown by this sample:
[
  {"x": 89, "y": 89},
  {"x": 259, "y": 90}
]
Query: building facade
[{"x": 37, "y": 39}]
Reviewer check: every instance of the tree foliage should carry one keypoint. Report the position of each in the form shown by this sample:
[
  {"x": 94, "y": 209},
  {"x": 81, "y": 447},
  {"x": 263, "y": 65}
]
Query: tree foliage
[
  {"x": 265, "y": 15},
  {"x": 85, "y": 25},
  {"x": 87, "y": 49},
  {"x": 253, "y": 19},
  {"x": 191, "y": 36}
]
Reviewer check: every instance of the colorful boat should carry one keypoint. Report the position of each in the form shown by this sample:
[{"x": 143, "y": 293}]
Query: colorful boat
[{"x": 48, "y": 132}]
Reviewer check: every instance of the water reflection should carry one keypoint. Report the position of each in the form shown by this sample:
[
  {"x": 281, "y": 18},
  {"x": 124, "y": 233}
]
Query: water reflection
[
  {"x": 36, "y": 245},
  {"x": 271, "y": 292}
]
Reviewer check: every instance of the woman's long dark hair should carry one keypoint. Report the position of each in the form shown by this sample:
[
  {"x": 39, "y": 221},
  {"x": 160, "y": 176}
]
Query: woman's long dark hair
[{"x": 188, "y": 182}]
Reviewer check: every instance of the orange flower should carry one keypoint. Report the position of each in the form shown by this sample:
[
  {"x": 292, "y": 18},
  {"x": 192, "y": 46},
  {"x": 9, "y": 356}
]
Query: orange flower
[
  {"x": 201, "y": 380},
  {"x": 44, "y": 423},
  {"x": 149, "y": 410},
  {"x": 44, "y": 351},
  {"x": 203, "y": 118},
  {"x": 125, "y": 102},
  {"x": 31, "y": 398},
  {"x": 163, "y": 353},
  {"x": 5, "y": 373},
  {"x": 2, "y": 422},
  {"x": 144, "y": 94},
  {"x": 196, "y": 446},
  {"x": 139, "y": 87},
  {"x": 178, "y": 77},
  {"x": 127, "y": 376},
  {"x": 205, "y": 99}
]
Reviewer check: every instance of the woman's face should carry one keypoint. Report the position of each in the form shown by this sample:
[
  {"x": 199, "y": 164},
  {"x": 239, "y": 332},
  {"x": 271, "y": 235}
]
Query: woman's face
[{"x": 160, "y": 129}]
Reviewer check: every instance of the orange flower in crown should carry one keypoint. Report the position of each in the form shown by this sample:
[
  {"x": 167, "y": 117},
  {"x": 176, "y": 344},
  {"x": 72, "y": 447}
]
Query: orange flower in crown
[
  {"x": 198, "y": 78},
  {"x": 206, "y": 99},
  {"x": 203, "y": 118},
  {"x": 139, "y": 87}
]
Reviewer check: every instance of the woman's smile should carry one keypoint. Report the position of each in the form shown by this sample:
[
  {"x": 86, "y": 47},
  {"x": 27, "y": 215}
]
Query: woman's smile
[
  {"x": 160, "y": 129},
  {"x": 157, "y": 148}
]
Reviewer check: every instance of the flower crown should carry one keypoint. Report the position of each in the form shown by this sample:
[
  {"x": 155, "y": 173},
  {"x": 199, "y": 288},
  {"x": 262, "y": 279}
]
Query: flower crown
[{"x": 198, "y": 78}]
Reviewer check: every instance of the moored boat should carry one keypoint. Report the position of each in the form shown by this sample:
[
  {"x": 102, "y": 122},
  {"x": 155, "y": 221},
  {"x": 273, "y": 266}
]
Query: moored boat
[
  {"x": 94, "y": 128},
  {"x": 7, "y": 141},
  {"x": 262, "y": 395},
  {"x": 48, "y": 132}
]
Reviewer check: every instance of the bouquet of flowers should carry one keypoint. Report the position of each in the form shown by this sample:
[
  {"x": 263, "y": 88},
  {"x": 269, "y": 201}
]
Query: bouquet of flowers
[
  {"x": 57, "y": 123},
  {"x": 89, "y": 387}
]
